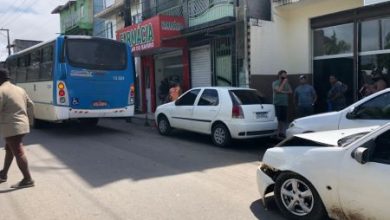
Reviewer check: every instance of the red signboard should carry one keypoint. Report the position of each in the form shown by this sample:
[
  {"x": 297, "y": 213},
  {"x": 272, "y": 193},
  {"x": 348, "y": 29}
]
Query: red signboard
[{"x": 148, "y": 35}]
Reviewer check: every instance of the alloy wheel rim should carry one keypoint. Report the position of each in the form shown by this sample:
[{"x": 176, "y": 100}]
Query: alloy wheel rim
[
  {"x": 297, "y": 197},
  {"x": 163, "y": 126},
  {"x": 219, "y": 135}
]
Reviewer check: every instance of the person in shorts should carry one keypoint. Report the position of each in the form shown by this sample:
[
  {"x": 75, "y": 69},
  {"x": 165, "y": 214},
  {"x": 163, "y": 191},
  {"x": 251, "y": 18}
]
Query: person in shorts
[{"x": 281, "y": 91}]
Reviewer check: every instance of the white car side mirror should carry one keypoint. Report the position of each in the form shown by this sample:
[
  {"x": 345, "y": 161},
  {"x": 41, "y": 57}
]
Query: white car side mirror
[{"x": 360, "y": 154}]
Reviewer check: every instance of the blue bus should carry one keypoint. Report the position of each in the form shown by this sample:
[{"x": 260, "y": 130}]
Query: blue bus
[{"x": 76, "y": 77}]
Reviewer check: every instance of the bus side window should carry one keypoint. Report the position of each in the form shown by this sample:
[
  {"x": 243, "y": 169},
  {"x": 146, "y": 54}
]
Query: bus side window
[
  {"x": 34, "y": 67},
  {"x": 47, "y": 63},
  {"x": 12, "y": 67},
  {"x": 21, "y": 70}
]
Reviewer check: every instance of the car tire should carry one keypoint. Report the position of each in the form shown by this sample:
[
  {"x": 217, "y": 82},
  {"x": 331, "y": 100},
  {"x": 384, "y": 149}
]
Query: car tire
[
  {"x": 297, "y": 198},
  {"x": 221, "y": 135},
  {"x": 164, "y": 127}
]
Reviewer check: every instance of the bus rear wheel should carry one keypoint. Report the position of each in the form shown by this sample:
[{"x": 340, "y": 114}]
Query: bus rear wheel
[{"x": 91, "y": 122}]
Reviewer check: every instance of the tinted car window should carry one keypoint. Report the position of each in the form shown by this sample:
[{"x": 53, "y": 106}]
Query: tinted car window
[
  {"x": 376, "y": 108},
  {"x": 381, "y": 152},
  {"x": 246, "y": 97},
  {"x": 209, "y": 97},
  {"x": 189, "y": 98}
]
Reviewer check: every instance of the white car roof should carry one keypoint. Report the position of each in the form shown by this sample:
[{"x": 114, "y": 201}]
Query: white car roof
[{"x": 333, "y": 136}]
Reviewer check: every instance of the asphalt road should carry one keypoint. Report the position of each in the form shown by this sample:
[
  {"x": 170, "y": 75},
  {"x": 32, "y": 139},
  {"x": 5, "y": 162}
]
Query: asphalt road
[{"x": 124, "y": 170}]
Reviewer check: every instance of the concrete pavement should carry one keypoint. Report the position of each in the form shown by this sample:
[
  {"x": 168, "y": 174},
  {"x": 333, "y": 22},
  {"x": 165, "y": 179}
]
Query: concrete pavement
[{"x": 124, "y": 170}]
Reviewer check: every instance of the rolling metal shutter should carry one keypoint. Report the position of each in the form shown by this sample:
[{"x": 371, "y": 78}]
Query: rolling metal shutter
[{"x": 200, "y": 66}]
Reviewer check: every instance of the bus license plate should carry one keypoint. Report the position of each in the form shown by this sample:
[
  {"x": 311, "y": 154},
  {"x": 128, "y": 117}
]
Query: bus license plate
[
  {"x": 100, "y": 104},
  {"x": 261, "y": 115}
]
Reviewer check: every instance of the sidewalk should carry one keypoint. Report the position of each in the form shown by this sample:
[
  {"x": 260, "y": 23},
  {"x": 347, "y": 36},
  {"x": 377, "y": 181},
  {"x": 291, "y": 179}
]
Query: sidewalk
[{"x": 146, "y": 119}]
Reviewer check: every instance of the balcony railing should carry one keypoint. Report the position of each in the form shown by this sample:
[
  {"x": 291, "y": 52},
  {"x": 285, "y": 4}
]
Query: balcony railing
[
  {"x": 195, "y": 12},
  {"x": 284, "y": 2}
]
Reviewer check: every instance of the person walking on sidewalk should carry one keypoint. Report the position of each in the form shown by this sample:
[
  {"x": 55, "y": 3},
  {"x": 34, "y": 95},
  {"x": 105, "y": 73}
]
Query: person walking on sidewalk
[
  {"x": 16, "y": 110},
  {"x": 281, "y": 90},
  {"x": 304, "y": 97}
]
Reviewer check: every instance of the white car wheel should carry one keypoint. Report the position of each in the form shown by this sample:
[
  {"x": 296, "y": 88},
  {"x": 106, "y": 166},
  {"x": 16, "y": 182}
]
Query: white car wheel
[
  {"x": 220, "y": 135},
  {"x": 297, "y": 198},
  {"x": 164, "y": 128}
]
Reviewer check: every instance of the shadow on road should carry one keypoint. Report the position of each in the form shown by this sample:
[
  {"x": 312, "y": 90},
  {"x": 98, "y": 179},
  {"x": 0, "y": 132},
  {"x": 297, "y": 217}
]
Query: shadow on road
[
  {"x": 271, "y": 212},
  {"x": 117, "y": 150}
]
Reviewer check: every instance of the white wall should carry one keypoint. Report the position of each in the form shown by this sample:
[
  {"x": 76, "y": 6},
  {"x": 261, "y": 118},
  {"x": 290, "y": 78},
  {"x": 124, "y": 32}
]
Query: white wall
[{"x": 285, "y": 43}]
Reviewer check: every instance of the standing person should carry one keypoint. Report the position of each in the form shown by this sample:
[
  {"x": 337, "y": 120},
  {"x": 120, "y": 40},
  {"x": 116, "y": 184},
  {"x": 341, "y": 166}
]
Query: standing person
[
  {"x": 336, "y": 94},
  {"x": 379, "y": 82},
  {"x": 281, "y": 90},
  {"x": 304, "y": 97},
  {"x": 15, "y": 114},
  {"x": 174, "y": 92}
]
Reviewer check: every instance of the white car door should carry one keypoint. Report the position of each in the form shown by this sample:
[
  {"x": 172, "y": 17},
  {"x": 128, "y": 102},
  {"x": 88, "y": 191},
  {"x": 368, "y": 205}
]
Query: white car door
[
  {"x": 206, "y": 110},
  {"x": 364, "y": 188},
  {"x": 181, "y": 114},
  {"x": 375, "y": 111}
]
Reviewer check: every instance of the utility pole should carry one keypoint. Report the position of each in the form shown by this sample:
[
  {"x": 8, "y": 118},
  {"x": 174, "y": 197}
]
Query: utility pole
[{"x": 9, "y": 44}]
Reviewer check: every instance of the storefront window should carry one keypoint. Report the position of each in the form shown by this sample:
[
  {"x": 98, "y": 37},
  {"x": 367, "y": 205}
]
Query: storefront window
[
  {"x": 333, "y": 40},
  {"x": 373, "y": 73},
  {"x": 370, "y": 35},
  {"x": 386, "y": 33}
]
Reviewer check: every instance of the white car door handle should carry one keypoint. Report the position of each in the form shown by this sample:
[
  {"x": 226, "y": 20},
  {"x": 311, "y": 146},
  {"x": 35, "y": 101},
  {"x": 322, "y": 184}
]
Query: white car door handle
[{"x": 212, "y": 110}]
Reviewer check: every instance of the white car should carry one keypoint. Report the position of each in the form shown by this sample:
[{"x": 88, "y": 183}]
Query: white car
[
  {"x": 222, "y": 112},
  {"x": 370, "y": 111},
  {"x": 341, "y": 174}
]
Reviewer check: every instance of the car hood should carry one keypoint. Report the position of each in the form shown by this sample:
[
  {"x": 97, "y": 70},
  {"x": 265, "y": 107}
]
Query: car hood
[
  {"x": 329, "y": 121},
  {"x": 332, "y": 137}
]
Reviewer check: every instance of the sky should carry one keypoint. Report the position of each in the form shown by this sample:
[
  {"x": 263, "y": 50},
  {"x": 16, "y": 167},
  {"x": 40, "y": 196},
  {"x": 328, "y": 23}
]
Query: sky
[{"x": 28, "y": 20}]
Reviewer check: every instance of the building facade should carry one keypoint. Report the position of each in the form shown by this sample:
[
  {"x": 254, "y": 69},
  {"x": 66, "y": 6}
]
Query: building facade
[
  {"x": 308, "y": 37},
  {"x": 190, "y": 42},
  {"x": 77, "y": 17}
]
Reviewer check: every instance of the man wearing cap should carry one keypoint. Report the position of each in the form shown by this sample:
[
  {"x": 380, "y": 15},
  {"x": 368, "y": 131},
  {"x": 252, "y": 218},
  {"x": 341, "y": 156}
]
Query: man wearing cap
[
  {"x": 304, "y": 97},
  {"x": 16, "y": 111}
]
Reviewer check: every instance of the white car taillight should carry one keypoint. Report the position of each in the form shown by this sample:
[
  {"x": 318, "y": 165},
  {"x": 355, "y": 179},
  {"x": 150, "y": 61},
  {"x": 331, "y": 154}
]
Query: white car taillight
[
  {"x": 237, "y": 112},
  {"x": 62, "y": 94}
]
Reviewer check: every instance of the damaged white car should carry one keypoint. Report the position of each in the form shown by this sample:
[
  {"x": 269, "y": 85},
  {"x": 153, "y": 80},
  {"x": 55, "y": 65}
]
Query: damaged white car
[{"x": 342, "y": 174}]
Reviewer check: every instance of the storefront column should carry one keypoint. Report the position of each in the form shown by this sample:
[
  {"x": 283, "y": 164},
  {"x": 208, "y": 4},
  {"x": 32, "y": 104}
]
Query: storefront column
[{"x": 186, "y": 69}]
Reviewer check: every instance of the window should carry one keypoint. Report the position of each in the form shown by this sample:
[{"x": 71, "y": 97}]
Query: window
[
  {"x": 109, "y": 30},
  {"x": 47, "y": 63},
  {"x": 98, "y": 54},
  {"x": 377, "y": 108},
  {"x": 370, "y": 35},
  {"x": 246, "y": 97},
  {"x": 381, "y": 153},
  {"x": 34, "y": 69},
  {"x": 188, "y": 99},
  {"x": 21, "y": 70},
  {"x": 333, "y": 40},
  {"x": 209, "y": 97}
]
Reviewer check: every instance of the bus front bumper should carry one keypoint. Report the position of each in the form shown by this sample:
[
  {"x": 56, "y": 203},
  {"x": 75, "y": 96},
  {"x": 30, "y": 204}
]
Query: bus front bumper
[{"x": 65, "y": 113}]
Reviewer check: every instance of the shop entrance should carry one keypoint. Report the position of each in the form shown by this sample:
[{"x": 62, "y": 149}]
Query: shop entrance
[{"x": 169, "y": 71}]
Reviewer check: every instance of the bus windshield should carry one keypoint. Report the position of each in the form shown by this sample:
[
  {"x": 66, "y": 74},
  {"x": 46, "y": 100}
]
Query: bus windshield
[{"x": 98, "y": 54}]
